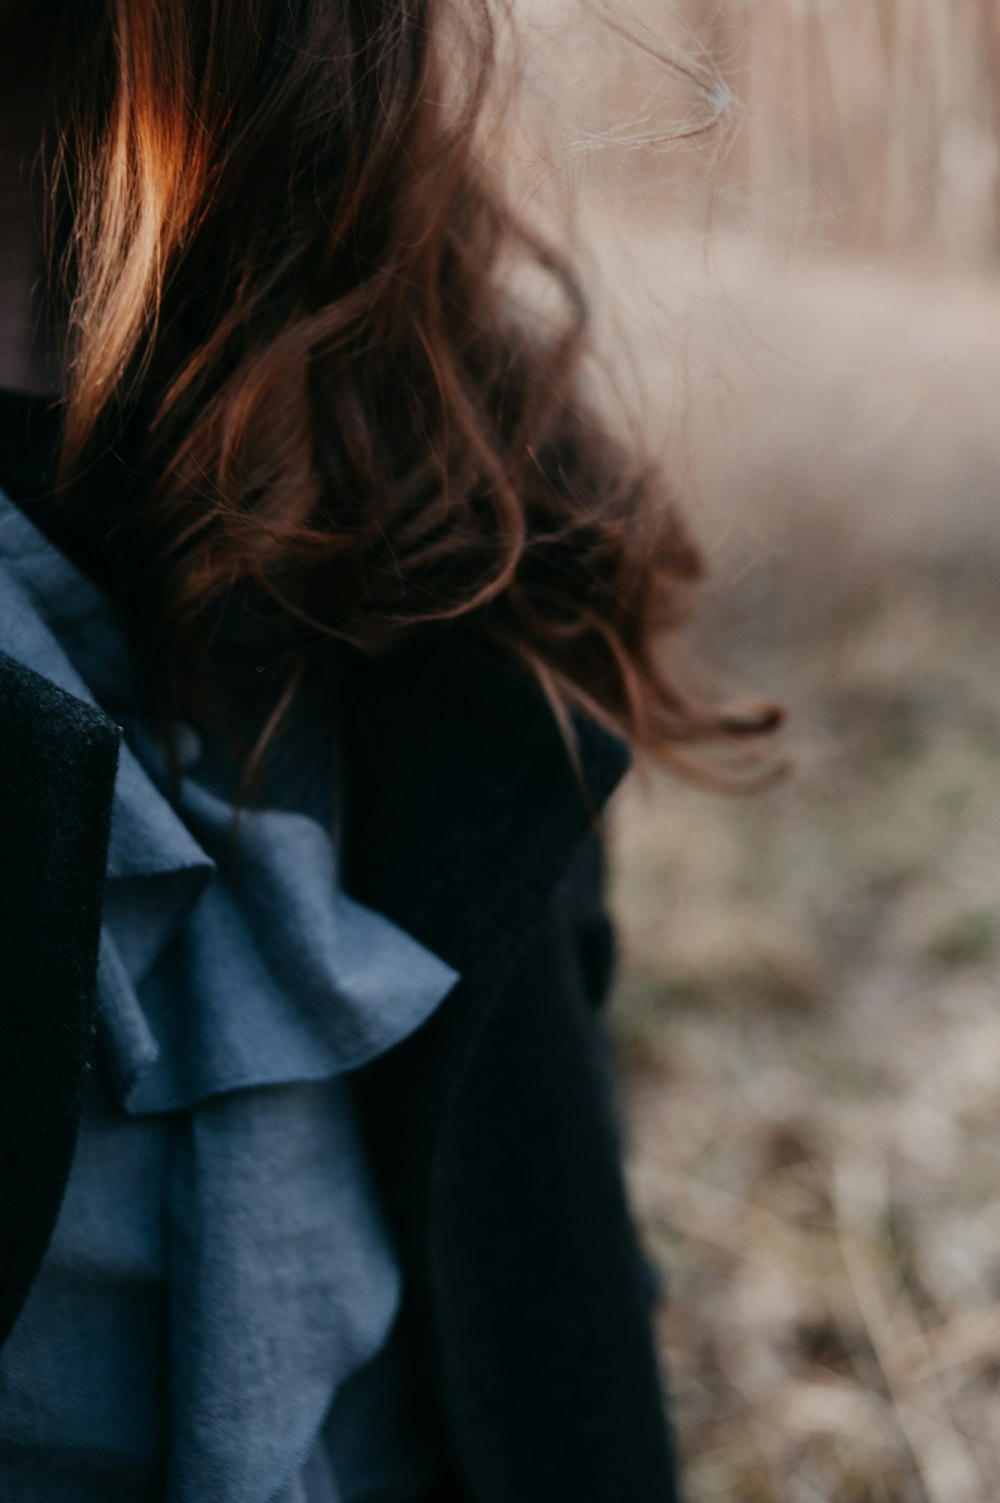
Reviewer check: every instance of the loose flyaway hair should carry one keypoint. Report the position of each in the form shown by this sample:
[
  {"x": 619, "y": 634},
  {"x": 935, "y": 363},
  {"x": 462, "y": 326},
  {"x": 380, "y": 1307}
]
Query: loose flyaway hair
[{"x": 288, "y": 271}]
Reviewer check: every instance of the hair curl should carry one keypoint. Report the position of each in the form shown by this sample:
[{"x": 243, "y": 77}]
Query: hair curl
[{"x": 290, "y": 310}]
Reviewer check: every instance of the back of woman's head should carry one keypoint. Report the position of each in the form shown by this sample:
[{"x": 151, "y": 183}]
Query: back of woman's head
[{"x": 288, "y": 268}]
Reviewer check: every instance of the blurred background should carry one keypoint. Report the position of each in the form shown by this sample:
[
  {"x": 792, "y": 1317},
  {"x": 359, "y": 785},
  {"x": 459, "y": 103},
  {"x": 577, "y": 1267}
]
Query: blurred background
[{"x": 793, "y": 208}]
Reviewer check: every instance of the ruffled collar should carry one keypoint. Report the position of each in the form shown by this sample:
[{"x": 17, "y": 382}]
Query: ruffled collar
[{"x": 225, "y": 962}]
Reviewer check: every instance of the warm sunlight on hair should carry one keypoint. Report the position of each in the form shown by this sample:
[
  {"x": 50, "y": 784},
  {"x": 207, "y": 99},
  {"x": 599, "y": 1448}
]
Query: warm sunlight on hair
[{"x": 343, "y": 411}]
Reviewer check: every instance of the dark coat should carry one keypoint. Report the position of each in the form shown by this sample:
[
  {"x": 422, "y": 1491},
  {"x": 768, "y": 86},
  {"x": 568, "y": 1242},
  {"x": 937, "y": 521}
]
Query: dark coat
[{"x": 491, "y": 1129}]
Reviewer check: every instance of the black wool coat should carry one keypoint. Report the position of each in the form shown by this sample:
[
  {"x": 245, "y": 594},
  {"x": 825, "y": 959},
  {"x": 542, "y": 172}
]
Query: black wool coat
[{"x": 491, "y": 1129}]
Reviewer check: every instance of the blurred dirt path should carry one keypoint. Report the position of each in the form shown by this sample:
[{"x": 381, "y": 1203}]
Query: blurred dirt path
[{"x": 809, "y": 1014}]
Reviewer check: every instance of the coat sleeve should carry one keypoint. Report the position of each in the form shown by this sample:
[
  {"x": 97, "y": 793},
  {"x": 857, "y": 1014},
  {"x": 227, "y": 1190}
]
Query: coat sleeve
[{"x": 541, "y": 1290}]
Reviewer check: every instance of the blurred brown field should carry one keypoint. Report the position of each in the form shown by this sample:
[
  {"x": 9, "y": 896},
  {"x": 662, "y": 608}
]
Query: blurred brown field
[{"x": 804, "y": 301}]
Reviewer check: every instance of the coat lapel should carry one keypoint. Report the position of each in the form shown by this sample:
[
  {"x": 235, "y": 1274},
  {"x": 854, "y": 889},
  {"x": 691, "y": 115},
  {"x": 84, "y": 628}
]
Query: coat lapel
[
  {"x": 461, "y": 811},
  {"x": 57, "y": 770}
]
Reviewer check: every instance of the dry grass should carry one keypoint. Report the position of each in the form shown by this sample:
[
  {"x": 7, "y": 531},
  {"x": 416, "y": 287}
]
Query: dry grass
[
  {"x": 809, "y": 1015},
  {"x": 810, "y": 1031}
]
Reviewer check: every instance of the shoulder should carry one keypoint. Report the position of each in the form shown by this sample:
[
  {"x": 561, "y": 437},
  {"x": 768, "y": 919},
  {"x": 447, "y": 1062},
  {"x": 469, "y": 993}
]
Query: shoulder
[{"x": 464, "y": 813}]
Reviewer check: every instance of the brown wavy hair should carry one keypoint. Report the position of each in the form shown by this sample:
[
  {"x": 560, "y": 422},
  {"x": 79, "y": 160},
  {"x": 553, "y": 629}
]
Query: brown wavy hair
[{"x": 289, "y": 268}]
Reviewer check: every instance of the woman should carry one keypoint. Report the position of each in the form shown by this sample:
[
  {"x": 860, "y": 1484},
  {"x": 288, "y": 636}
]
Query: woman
[{"x": 327, "y": 610}]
